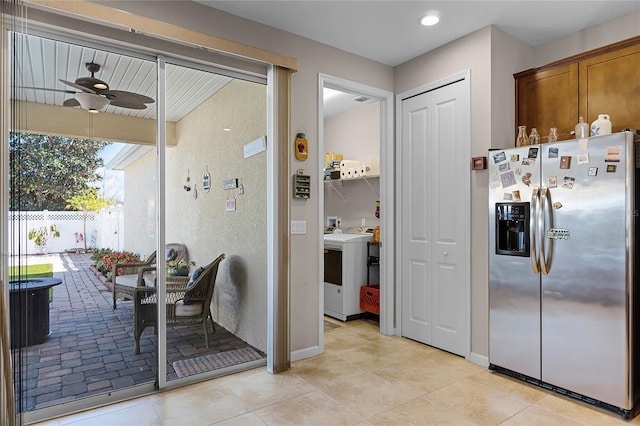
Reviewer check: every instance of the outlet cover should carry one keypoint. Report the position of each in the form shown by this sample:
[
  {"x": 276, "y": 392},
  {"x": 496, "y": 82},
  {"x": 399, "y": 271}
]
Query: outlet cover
[{"x": 298, "y": 227}]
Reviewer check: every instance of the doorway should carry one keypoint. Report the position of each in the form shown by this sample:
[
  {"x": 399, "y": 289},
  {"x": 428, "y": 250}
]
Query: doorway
[
  {"x": 434, "y": 208},
  {"x": 169, "y": 175},
  {"x": 364, "y": 191}
]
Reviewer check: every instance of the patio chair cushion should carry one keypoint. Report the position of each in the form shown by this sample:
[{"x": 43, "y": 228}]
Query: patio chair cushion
[
  {"x": 184, "y": 309},
  {"x": 194, "y": 276},
  {"x": 170, "y": 254},
  {"x": 130, "y": 280}
]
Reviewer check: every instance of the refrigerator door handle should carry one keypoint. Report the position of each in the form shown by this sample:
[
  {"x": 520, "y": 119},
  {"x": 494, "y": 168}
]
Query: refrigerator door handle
[
  {"x": 533, "y": 234},
  {"x": 545, "y": 207}
]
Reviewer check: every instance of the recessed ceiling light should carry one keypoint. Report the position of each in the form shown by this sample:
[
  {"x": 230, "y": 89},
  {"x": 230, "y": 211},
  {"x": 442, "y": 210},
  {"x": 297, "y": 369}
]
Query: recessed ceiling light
[
  {"x": 430, "y": 19},
  {"x": 226, "y": 129}
]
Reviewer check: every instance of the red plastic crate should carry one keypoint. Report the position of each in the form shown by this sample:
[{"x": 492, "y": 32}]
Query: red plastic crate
[{"x": 370, "y": 298}]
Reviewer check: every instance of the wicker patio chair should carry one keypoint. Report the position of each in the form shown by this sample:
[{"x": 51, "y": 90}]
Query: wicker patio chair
[
  {"x": 187, "y": 303},
  {"x": 132, "y": 275}
]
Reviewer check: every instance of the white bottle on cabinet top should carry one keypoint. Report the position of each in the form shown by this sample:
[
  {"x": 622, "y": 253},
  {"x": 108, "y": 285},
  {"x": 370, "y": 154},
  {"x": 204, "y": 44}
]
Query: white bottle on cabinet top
[{"x": 601, "y": 126}]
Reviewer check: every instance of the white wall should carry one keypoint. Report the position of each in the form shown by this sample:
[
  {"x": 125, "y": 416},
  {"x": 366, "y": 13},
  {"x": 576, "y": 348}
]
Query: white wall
[
  {"x": 202, "y": 223},
  {"x": 356, "y": 135}
]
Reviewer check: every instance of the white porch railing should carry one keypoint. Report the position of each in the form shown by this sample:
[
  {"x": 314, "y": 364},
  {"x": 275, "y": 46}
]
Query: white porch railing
[{"x": 102, "y": 230}]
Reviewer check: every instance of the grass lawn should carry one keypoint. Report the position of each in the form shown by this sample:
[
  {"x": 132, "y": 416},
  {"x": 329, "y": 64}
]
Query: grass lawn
[{"x": 41, "y": 270}]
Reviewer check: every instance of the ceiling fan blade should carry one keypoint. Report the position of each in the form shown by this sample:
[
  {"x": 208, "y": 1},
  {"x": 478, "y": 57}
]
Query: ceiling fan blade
[
  {"x": 71, "y": 103},
  {"x": 130, "y": 105},
  {"x": 79, "y": 87},
  {"x": 49, "y": 90},
  {"x": 122, "y": 96}
]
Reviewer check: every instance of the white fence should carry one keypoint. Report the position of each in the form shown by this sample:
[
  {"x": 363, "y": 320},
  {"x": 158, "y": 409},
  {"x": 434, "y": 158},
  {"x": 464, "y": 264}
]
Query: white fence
[{"x": 102, "y": 230}]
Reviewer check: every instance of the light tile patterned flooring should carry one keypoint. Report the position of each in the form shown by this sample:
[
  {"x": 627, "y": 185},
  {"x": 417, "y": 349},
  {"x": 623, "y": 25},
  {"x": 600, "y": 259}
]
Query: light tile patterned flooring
[{"x": 363, "y": 378}]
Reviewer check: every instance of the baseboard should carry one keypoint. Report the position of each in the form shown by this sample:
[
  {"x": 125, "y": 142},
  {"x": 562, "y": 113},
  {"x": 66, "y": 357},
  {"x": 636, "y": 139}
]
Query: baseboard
[
  {"x": 481, "y": 360},
  {"x": 306, "y": 353}
]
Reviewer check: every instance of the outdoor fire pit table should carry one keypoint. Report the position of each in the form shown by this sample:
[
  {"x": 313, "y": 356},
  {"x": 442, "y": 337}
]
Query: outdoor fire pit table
[{"x": 29, "y": 310}]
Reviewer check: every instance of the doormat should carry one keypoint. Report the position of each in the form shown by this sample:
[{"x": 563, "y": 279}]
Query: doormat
[
  {"x": 328, "y": 325},
  {"x": 202, "y": 364}
]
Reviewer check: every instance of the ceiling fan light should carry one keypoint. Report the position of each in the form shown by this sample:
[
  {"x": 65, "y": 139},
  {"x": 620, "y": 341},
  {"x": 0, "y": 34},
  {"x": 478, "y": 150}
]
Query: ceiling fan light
[
  {"x": 101, "y": 86},
  {"x": 91, "y": 102}
]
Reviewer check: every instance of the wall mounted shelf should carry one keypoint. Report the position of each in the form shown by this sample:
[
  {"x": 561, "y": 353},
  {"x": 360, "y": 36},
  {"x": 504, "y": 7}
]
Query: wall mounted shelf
[{"x": 334, "y": 183}]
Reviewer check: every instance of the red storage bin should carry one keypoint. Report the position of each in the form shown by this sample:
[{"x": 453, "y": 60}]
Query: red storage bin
[{"x": 370, "y": 298}]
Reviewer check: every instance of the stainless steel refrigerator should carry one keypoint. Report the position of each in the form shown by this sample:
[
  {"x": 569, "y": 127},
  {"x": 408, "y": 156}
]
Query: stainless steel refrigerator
[{"x": 562, "y": 263}]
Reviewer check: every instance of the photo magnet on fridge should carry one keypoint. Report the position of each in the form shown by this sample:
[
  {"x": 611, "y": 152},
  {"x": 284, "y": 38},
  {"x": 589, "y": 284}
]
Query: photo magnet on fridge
[
  {"x": 568, "y": 182},
  {"x": 565, "y": 162},
  {"x": 533, "y": 152},
  {"x": 508, "y": 179},
  {"x": 611, "y": 168},
  {"x": 504, "y": 167},
  {"x": 553, "y": 152},
  {"x": 583, "y": 158},
  {"x": 515, "y": 157},
  {"x": 613, "y": 154},
  {"x": 593, "y": 171},
  {"x": 552, "y": 182},
  {"x": 499, "y": 157}
]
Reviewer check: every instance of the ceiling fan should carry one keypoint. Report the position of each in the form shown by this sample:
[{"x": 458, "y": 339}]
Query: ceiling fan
[{"x": 95, "y": 94}]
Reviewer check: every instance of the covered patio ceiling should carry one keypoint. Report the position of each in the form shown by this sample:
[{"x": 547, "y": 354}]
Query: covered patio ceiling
[{"x": 43, "y": 62}]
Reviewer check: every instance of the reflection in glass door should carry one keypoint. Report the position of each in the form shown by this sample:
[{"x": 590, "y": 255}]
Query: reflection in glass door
[
  {"x": 83, "y": 213},
  {"x": 215, "y": 222}
]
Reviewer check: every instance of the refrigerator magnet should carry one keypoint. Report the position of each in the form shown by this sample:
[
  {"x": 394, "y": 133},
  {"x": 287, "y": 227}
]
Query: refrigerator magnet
[
  {"x": 507, "y": 196},
  {"x": 552, "y": 182},
  {"x": 515, "y": 158},
  {"x": 499, "y": 157},
  {"x": 553, "y": 152},
  {"x": 504, "y": 167},
  {"x": 583, "y": 158},
  {"x": 533, "y": 153},
  {"x": 508, "y": 179},
  {"x": 613, "y": 154},
  {"x": 516, "y": 195},
  {"x": 583, "y": 144},
  {"x": 565, "y": 162},
  {"x": 593, "y": 171},
  {"x": 526, "y": 179},
  {"x": 518, "y": 171},
  {"x": 568, "y": 182},
  {"x": 611, "y": 168},
  {"x": 528, "y": 161},
  {"x": 494, "y": 181}
]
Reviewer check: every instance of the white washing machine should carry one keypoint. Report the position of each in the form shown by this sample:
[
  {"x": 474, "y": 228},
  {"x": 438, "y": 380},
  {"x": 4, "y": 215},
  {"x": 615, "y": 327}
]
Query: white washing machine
[{"x": 345, "y": 271}]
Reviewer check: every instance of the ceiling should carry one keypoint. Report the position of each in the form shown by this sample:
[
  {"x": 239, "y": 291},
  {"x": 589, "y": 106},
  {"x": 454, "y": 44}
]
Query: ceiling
[
  {"x": 44, "y": 62},
  {"x": 384, "y": 31},
  {"x": 388, "y": 31}
]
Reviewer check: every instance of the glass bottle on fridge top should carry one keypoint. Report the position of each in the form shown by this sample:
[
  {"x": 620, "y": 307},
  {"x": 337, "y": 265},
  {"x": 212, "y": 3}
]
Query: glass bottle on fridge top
[
  {"x": 522, "y": 139},
  {"x": 553, "y": 135},
  {"x": 534, "y": 137},
  {"x": 582, "y": 129}
]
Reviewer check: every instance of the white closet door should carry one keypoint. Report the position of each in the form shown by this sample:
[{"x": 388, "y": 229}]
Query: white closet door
[{"x": 435, "y": 218}]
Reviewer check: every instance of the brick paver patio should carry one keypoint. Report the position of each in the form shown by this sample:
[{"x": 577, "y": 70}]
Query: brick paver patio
[{"x": 90, "y": 349}]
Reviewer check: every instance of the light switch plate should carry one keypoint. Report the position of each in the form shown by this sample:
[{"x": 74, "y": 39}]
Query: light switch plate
[{"x": 298, "y": 227}]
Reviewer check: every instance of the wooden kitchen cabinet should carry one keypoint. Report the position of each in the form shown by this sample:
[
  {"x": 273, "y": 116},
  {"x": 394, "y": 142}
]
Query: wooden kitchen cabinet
[
  {"x": 610, "y": 84},
  {"x": 547, "y": 99},
  {"x": 600, "y": 81}
]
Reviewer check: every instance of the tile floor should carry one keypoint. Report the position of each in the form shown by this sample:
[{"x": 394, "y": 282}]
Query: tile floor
[{"x": 364, "y": 378}]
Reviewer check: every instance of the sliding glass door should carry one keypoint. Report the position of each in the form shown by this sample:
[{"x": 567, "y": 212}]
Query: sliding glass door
[
  {"x": 82, "y": 221},
  {"x": 138, "y": 209},
  {"x": 215, "y": 221}
]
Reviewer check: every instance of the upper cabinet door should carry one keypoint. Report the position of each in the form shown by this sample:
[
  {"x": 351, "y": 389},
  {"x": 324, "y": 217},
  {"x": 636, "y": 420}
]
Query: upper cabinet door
[
  {"x": 546, "y": 99},
  {"x": 610, "y": 84}
]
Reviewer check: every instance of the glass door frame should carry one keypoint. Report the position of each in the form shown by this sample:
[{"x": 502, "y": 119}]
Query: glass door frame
[{"x": 273, "y": 270}]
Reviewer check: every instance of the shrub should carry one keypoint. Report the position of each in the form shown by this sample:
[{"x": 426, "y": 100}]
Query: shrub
[
  {"x": 112, "y": 258},
  {"x": 98, "y": 254}
]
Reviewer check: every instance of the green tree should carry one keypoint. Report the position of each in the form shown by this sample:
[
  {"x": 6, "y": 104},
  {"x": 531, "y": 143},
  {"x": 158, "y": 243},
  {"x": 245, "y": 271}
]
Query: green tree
[
  {"x": 46, "y": 171},
  {"x": 88, "y": 200}
]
